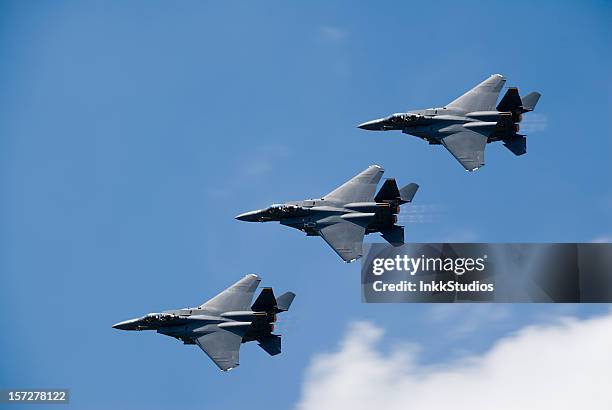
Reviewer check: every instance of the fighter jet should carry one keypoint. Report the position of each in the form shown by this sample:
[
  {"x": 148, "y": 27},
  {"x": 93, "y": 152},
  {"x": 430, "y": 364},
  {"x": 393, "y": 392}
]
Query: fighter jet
[
  {"x": 346, "y": 214},
  {"x": 466, "y": 125},
  {"x": 220, "y": 325}
]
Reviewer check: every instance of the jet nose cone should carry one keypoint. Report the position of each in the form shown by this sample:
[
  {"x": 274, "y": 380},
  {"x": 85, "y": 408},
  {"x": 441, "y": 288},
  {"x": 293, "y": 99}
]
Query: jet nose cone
[
  {"x": 374, "y": 125},
  {"x": 363, "y": 126},
  {"x": 125, "y": 325},
  {"x": 251, "y": 216}
]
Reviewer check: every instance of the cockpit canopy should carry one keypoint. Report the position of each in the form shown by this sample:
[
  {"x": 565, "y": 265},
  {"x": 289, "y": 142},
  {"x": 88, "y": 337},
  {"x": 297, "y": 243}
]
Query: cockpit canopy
[
  {"x": 276, "y": 206},
  {"x": 151, "y": 317},
  {"x": 401, "y": 118},
  {"x": 281, "y": 208},
  {"x": 279, "y": 211}
]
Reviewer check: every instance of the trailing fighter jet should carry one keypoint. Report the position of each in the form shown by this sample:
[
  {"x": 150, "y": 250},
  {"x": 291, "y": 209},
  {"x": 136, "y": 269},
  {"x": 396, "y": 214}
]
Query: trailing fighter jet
[
  {"x": 346, "y": 214},
  {"x": 466, "y": 125},
  {"x": 220, "y": 325}
]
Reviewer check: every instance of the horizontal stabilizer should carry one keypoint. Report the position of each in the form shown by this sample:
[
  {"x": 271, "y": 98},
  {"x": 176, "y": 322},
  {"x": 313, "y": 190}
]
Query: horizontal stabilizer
[
  {"x": 511, "y": 101},
  {"x": 518, "y": 145},
  {"x": 265, "y": 302},
  {"x": 530, "y": 101},
  {"x": 407, "y": 193},
  {"x": 283, "y": 302},
  {"x": 394, "y": 235},
  {"x": 271, "y": 344}
]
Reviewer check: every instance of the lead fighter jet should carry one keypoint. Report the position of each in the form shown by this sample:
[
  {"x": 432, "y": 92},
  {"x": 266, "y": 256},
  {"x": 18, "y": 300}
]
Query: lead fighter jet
[
  {"x": 346, "y": 214},
  {"x": 466, "y": 125},
  {"x": 220, "y": 325}
]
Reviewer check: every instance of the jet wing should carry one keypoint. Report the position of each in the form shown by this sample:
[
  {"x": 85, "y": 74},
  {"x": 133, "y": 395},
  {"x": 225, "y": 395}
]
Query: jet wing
[
  {"x": 236, "y": 297},
  {"x": 222, "y": 347},
  {"x": 482, "y": 97},
  {"x": 346, "y": 238},
  {"x": 467, "y": 147},
  {"x": 360, "y": 188}
]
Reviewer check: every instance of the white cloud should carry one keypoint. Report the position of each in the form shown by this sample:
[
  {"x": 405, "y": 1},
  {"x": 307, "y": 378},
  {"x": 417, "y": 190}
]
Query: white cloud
[{"x": 565, "y": 365}]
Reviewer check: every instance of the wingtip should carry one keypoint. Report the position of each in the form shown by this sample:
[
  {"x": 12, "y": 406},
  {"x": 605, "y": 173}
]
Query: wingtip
[{"x": 229, "y": 368}]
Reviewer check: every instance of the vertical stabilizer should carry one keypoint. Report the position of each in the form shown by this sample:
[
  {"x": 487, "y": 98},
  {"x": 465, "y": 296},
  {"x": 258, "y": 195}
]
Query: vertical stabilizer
[
  {"x": 530, "y": 100},
  {"x": 408, "y": 192},
  {"x": 283, "y": 302}
]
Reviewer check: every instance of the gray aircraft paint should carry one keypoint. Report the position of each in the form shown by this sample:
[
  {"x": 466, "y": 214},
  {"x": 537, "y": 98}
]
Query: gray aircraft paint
[
  {"x": 345, "y": 215},
  {"x": 220, "y": 325},
  {"x": 467, "y": 124}
]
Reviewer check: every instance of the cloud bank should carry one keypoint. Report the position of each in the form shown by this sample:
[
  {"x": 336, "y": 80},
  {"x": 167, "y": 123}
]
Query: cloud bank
[{"x": 565, "y": 365}]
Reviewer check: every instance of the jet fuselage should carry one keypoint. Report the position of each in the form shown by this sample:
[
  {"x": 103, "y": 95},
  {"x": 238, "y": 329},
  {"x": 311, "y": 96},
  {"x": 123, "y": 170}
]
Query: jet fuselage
[
  {"x": 190, "y": 323},
  {"x": 433, "y": 124},
  {"x": 220, "y": 325},
  {"x": 467, "y": 124},
  {"x": 310, "y": 216}
]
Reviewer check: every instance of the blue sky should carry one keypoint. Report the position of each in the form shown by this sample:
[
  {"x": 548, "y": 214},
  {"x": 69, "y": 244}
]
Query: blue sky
[{"x": 133, "y": 133}]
